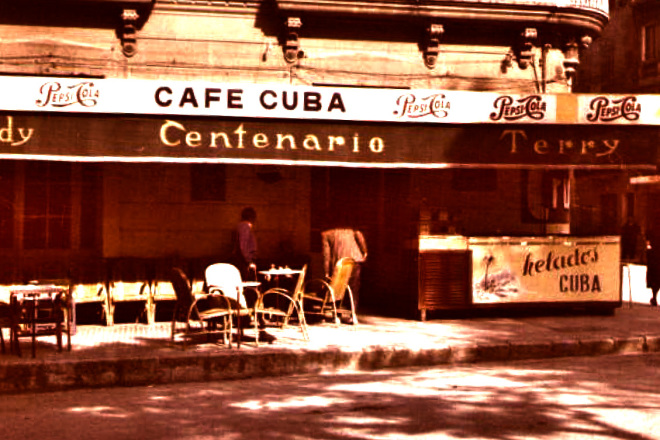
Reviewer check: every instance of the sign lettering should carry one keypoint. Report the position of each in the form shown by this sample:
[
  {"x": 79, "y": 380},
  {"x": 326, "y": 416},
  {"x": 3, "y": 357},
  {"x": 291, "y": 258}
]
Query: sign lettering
[
  {"x": 14, "y": 136},
  {"x": 174, "y": 134},
  {"x": 412, "y": 107},
  {"x": 307, "y": 101},
  {"x": 606, "y": 110},
  {"x": 508, "y": 109},
  {"x": 598, "y": 148},
  {"x": 56, "y": 95},
  {"x": 545, "y": 269},
  {"x": 553, "y": 262}
]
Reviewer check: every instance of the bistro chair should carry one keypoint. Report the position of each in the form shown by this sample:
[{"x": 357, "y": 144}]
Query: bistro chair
[
  {"x": 225, "y": 279},
  {"x": 89, "y": 288},
  {"x": 128, "y": 283},
  {"x": 331, "y": 297},
  {"x": 294, "y": 303},
  {"x": 186, "y": 311}
]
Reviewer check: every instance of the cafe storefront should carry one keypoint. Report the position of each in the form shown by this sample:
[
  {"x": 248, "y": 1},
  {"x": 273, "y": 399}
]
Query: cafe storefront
[{"x": 467, "y": 199}]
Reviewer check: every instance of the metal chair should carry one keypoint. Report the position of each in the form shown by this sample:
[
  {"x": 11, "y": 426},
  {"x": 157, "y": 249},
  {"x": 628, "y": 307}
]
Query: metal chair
[
  {"x": 225, "y": 279},
  {"x": 294, "y": 302},
  {"x": 328, "y": 296},
  {"x": 186, "y": 310}
]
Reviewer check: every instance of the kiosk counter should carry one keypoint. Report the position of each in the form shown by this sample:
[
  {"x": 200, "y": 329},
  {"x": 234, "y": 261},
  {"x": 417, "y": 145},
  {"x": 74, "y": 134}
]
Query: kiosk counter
[{"x": 457, "y": 272}]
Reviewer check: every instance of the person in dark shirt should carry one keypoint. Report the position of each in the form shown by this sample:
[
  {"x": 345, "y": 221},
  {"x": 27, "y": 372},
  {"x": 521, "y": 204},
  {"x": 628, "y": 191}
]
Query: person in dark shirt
[
  {"x": 245, "y": 245},
  {"x": 245, "y": 259}
]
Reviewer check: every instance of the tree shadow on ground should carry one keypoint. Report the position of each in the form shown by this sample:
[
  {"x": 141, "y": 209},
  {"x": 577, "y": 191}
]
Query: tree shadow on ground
[{"x": 500, "y": 402}]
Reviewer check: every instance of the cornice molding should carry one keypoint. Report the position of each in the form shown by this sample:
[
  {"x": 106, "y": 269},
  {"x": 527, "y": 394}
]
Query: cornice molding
[
  {"x": 503, "y": 12},
  {"x": 209, "y": 6}
]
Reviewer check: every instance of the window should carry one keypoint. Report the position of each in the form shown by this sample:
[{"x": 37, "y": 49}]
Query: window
[
  {"x": 47, "y": 219},
  {"x": 90, "y": 206},
  {"x": 7, "y": 188},
  {"x": 649, "y": 42},
  {"x": 207, "y": 183},
  {"x": 50, "y": 208}
]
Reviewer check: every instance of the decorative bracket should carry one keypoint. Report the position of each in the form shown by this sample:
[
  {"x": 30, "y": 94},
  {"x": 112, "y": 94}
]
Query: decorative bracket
[
  {"x": 291, "y": 45},
  {"x": 432, "y": 44},
  {"x": 572, "y": 57},
  {"x": 128, "y": 32},
  {"x": 524, "y": 51}
]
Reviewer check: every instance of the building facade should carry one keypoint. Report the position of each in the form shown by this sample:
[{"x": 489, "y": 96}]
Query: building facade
[
  {"x": 624, "y": 60},
  {"x": 90, "y": 192}
]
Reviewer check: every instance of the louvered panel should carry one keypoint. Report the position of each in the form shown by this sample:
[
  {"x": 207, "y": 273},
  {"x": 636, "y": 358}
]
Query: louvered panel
[{"x": 444, "y": 279}]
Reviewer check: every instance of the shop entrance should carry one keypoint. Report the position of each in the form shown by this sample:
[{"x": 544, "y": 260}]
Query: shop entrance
[{"x": 377, "y": 202}]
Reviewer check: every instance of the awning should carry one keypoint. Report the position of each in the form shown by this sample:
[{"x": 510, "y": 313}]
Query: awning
[{"x": 171, "y": 138}]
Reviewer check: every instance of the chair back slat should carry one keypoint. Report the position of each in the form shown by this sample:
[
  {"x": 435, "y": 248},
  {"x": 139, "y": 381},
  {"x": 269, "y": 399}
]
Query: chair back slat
[
  {"x": 184, "y": 296},
  {"x": 340, "y": 277},
  {"x": 299, "y": 289},
  {"x": 227, "y": 278}
]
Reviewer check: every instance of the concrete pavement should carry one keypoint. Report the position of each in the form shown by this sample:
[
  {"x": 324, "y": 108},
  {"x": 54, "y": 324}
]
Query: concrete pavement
[{"x": 138, "y": 354}]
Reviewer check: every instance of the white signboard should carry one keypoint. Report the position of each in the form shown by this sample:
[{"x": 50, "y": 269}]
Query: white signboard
[
  {"x": 277, "y": 101},
  {"x": 270, "y": 101},
  {"x": 545, "y": 270}
]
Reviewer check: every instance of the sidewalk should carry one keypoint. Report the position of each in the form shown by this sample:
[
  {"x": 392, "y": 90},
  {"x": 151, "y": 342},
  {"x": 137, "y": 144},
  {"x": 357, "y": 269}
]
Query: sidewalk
[{"x": 138, "y": 354}]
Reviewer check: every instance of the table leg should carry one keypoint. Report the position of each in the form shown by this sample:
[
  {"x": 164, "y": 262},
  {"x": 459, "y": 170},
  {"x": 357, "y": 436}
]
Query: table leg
[
  {"x": 239, "y": 326},
  {"x": 58, "y": 324},
  {"x": 34, "y": 327},
  {"x": 58, "y": 333},
  {"x": 70, "y": 318},
  {"x": 61, "y": 315},
  {"x": 13, "y": 336}
]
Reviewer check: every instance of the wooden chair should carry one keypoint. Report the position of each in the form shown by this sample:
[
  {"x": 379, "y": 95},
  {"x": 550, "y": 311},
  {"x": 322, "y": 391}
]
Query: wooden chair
[
  {"x": 89, "y": 287},
  {"x": 293, "y": 303},
  {"x": 327, "y": 297},
  {"x": 128, "y": 283},
  {"x": 186, "y": 311},
  {"x": 161, "y": 289}
]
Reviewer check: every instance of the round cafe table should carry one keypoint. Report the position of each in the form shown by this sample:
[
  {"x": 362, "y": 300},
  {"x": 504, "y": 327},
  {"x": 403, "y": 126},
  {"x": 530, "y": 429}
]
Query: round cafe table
[{"x": 275, "y": 273}]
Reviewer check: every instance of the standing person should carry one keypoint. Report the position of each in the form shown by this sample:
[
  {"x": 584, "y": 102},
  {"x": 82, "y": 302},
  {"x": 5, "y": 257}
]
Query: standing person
[
  {"x": 653, "y": 265},
  {"x": 344, "y": 242},
  {"x": 245, "y": 259},
  {"x": 245, "y": 245}
]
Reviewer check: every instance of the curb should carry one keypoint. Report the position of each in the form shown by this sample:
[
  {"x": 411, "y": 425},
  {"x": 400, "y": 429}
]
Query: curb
[{"x": 39, "y": 376}]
